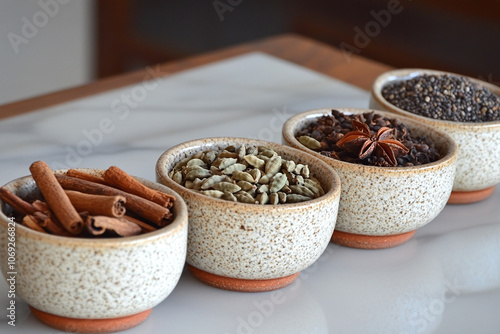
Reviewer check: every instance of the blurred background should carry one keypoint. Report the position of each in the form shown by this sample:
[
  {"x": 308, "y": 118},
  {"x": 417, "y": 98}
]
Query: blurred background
[{"x": 48, "y": 45}]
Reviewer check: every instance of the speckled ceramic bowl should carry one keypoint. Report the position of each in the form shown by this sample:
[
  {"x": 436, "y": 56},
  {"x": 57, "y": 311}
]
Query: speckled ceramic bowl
[
  {"x": 478, "y": 167},
  {"x": 93, "y": 285},
  {"x": 252, "y": 247},
  {"x": 382, "y": 207}
]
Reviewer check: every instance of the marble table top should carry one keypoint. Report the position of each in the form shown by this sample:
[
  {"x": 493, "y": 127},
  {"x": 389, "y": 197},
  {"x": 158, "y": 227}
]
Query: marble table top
[{"x": 444, "y": 280}]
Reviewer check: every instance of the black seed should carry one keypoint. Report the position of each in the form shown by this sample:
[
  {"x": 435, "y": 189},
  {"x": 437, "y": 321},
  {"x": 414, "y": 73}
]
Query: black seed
[{"x": 446, "y": 97}]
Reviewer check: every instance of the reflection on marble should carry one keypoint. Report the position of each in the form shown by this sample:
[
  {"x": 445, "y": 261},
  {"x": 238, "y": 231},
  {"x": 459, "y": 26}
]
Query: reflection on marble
[
  {"x": 436, "y": 283},
  {"x": 395, "y": 294},
  {"x": 470, "y": 257}
]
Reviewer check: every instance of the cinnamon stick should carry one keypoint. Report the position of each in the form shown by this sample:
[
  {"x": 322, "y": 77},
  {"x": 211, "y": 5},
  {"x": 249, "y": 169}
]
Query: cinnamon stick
[
  {"x": 35, "y": 215},
  {"x": 30, "y": 221},
  {"x": 50, "y": 224},
  {"x": 97, "y": 205},
  {"x": 141, "y": 206},
  {"x": 46, "y": 218},
  {"x": 144, "y": 226},
  {"x": 16, "y": 202},
  {"x": 85, "y": 176},
  {"x": 56, "y": 198},
  {"x": 97, "y": 225},
  {"x": 41, "y": 206},
  {"x": 118, "y": 178}
]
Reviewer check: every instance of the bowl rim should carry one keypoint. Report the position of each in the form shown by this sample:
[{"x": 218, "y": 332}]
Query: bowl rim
[
  {"x": 405, "y": 73},
  {"x": 176, "y": 226},
  {"x": 289, "y": 130},
  {"x": 162, "y": 171}
]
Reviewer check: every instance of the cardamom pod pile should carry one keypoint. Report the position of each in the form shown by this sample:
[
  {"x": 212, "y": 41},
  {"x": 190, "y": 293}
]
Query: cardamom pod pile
[{"x": 254, "y": 174}]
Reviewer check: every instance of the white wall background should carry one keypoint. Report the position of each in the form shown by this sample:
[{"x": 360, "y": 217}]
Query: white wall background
[{"x": 45, "y": 46}]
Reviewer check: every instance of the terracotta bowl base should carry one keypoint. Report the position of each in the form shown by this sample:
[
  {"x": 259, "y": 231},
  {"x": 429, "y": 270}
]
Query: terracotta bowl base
[
  {"x": 90, "y": 325},
  {"x": 370, "y": 241},
  {"x": 242, "y": 285},
  {"x": 466, "y": 197}
]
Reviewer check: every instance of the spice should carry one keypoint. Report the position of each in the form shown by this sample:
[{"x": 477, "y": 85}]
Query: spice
[
  {"x": 102, "y": 209},
  {"x": 98, "y": 205},
  {"x": 98, "y": 225},
  {"x": 379, "y": 143},
  {"x": 15, "y": 202},
  {"x": 369, "y": 139},
  {"x": 30, "y": 221},
  {"x": 253, "y": 175},
  {"x": 56, "y": 198},
  {"x": 142, "y": 207},
  {"x": 116, "y": 177},
  {"x": 445, "y": 97},
  {"x": 85, "y": 176}
]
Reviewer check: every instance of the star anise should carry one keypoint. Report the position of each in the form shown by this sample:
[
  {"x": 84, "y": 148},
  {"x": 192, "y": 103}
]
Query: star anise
[{"x": 368, "y": 143}]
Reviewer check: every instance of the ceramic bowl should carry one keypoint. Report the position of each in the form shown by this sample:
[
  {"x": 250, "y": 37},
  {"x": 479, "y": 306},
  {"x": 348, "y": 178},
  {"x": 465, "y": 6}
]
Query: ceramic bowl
[
  {"x": 92, "y": 285},
  {"x": 382, "y": 207},
  {"x": 478, "y": 167},
  {"x": 252, "y": 247}
]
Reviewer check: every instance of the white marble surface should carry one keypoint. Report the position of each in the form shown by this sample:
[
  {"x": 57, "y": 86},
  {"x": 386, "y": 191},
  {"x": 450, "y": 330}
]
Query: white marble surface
[{"x": 445, "y": 280}]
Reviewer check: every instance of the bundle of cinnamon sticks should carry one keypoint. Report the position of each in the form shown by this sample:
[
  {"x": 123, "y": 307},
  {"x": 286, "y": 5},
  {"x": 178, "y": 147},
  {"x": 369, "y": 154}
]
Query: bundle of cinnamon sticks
[{"x": 83, "y": 205}]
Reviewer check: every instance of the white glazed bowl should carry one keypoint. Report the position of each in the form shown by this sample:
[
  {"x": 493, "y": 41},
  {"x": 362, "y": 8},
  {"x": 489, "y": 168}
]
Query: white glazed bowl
[
  {"x": 251, "y": 247},
  {"x": 478, "y": 161},
  {"x": 382, "y": 207},
  {"x": 96, "y": 279}
]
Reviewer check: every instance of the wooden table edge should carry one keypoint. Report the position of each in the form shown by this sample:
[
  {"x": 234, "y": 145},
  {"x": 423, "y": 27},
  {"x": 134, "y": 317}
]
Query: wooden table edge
[{"x": 297, "y": 49}]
